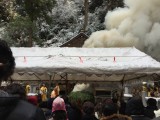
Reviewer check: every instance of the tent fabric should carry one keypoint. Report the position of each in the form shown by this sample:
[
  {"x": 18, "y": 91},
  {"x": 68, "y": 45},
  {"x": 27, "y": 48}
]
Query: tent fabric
[{"x": 102, "y": 64}]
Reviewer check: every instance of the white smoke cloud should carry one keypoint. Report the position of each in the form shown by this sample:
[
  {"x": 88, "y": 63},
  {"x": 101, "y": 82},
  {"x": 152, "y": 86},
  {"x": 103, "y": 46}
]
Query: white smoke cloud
[
  {"x": 138, "y": 24},
  {"x": 83, "y": 87}
]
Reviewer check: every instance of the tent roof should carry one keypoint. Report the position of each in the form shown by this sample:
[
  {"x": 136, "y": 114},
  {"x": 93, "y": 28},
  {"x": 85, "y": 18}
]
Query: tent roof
[{"x": 88, "y": 61}]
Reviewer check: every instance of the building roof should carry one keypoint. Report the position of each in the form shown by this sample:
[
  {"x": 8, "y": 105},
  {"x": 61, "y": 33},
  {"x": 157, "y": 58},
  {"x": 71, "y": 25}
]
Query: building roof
[{"x": 76, "y": 41}]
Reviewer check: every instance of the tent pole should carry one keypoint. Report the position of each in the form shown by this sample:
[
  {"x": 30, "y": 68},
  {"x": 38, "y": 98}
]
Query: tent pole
[
  {"x": 122, "y": 90},
  {"x": 50, "y": 77},
  {"x": 66, "y": 84},
  {"x": 11, "y": 79},
  {"x": 37, "y": 77},
  {"x": 122, "y": 83}
]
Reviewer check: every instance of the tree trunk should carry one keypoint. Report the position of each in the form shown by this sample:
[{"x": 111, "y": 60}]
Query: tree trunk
[
  {"x": 86, "y": 15},
  {"x": 30, "y": 41}
]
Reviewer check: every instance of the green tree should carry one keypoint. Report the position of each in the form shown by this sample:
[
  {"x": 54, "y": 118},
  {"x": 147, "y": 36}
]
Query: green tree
[
  {"x": 33, "y": 11},
  {"x": 18, "y": 31},
  {"x": 79, "y": 97}
]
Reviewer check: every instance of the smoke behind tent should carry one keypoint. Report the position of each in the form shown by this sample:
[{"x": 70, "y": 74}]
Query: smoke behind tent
[{"x": 137, "y": 24}]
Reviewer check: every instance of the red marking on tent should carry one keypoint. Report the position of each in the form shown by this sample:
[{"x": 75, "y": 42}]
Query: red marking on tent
[
  {"x": 81, "y": 59},
  {"x": 114, "y": 59}
]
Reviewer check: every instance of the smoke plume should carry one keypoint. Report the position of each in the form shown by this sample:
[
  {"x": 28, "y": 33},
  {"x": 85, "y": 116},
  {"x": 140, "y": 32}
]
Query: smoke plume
[{"x": 137, "y": 24}]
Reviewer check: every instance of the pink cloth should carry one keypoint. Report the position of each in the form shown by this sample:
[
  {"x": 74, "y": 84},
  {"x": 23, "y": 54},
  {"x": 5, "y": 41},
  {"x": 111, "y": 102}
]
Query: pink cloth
[{"x": 58, "y": 104}]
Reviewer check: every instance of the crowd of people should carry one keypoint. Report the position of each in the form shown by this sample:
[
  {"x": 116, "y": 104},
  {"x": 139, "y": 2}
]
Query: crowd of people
[
  {"x": 14, "y": 104},
  {"x": 151, "y": 91}
]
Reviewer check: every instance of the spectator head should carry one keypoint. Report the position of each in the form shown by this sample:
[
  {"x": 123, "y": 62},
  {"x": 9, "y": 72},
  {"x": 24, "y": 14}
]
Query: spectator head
[
  {"x": 88, "y": 108},
  {"x": 151, "y": 102},
  {"x": 43, "y": 85},
  {"x": 7, "y": 61},
  {"x": 55, "y": 92},
  {"x": 16, "y": 89},
  {"x": 107, "y": 101},
  {"x": 58, "y": 104},
  {"x": 109, "y": 108},
  {"x": 59, "y": 109}
]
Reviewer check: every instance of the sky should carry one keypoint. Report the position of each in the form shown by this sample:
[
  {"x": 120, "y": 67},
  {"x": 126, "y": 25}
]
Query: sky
[{"x": 137, "y": 24}]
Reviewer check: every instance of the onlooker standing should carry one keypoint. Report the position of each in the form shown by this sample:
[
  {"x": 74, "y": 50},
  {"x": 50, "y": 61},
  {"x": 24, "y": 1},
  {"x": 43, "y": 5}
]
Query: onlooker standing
[
  {"x": 28, "y": 88},
  {"x": 151, "y": 107},
  {"x": 88, "y": 111},
  {"x": 12, "y": 107},
  {"x": 135, "y": 109},
  {"x": 54, "y": 94},
  {"x": 59, "y": 109},
  {"x": 109, "y": 108},
  {"x": 43, "y": 92},
  {"x": 16, "y": 89}
]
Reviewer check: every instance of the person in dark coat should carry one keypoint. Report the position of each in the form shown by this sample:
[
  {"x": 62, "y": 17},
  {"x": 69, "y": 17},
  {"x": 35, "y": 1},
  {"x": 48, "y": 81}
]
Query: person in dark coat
[
  {"x": 88, "y": 111},
  {"x": 135, "y": 109},
  {"x": 151, "y": 107},
  {"x": 73, "y": 111},
  {"x": 11, "y": 106},
  {"x": 109, "y": 108},
  {"x": 16, "y": 89},
  {"x": 54, "y": 95}
]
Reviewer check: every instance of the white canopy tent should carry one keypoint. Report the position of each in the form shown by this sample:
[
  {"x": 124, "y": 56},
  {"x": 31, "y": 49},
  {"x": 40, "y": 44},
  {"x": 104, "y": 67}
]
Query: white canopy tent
[{"x": 83, "y": 64}]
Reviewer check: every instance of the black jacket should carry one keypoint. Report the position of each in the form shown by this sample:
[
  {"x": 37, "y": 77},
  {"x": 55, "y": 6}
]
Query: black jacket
[
  {"x": 11, "y": 108},
  {"x": 149, "y": 111}
]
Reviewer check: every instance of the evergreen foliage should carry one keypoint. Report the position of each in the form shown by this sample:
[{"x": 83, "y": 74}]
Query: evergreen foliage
[
  {"x": 79, "y": 97},
  {"x": 17, "y": 31},
  {"x": 50, "y": 22}
]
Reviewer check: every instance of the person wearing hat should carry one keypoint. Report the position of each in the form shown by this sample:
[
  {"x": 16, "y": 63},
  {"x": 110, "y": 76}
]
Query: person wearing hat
[
  {"x": 59, "y": 109},
  {"x": 54, "y": 94},
  {"x": 12, "y": 107}
]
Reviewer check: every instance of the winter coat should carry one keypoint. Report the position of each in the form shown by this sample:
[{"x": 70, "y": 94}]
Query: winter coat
[
  {"x": 12, "y": 108},
  {"x": 73, "y": 113},
  {"x": 135, "y": 109},
  {"x": 149, "y": 111}
]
